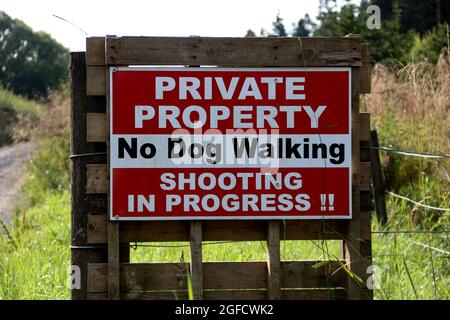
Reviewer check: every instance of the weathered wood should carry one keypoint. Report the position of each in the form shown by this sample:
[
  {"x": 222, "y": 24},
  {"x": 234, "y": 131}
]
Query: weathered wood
[
  {"x": 366, "y": 69},
  {"x": 379, "y": 184},
  {"x": 352, "y": 244},
  {"x": 95, "y": 51},
  {"x": 228, "y": 230},
  {"x": 219, "y": 275},
  {"x": 96, "y": 127},
  {"x": 80, "y": 105},
  {"x": 113, "y": 226},
  {"x": 97, "y": 178},
  {"x": 365, "y": 176},
  {"x": 250, "y": 52},
  {"x": 113, "y": 260},
  {"x": 196, "y": 259},
  {"x": 96, "y": 80},
  {"x": 364, "y": 126},
  {"x": 258, "y": 294},
  {"x": 273, "y": 260}
]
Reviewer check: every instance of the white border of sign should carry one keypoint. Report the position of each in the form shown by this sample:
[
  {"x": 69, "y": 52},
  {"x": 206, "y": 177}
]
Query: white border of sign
[{"x": 171, "y": 68}]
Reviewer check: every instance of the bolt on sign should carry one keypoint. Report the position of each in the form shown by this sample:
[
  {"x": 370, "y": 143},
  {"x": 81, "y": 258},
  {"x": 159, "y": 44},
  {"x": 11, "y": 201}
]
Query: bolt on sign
[{"x": 230, "y": 143}]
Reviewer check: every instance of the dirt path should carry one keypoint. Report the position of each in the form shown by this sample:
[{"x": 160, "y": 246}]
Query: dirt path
[{"x": 12, "y": 161}]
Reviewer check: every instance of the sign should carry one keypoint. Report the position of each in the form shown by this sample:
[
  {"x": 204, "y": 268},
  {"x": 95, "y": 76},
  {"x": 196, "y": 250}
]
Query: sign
[{"x": 230, "y": 143}]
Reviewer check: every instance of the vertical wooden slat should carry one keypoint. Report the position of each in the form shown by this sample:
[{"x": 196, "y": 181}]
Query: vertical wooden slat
[
  {"x": 366, "y": 69},
  {"x": 273, "y": 260},
  {"x": 196, "y": 259},
  {"x": 352, "y": 245},
  {"x": 81, "y": 104},
  {"x": 113, "y": 226}
]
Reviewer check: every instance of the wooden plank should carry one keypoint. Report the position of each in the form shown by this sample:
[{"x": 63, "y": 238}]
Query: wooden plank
[
  {"x": 366, "y": 69},
  {"x": 95, "y": 51},
  {"x": 259, "y": 294},
  {"x": 364, "y": 126},
  {"x": 97, "y": 178},
  {"x": 96, "y": 80},
  {"x": 80, "y": 202},
  {"x": 218, "y": 275},
  {"x": 113, "y": 226},
  {"x": 96, "y": 127},
  {"x": 365, "y": 177},
  {"x": 196, "y": 259},
  {"x": 273, "y": 260},
  {"x": 230, "y": 52},
  {"x": 352, "y": 244},
  {"x": 215, "y": 230},
  {"x": 113, "y": 260}
]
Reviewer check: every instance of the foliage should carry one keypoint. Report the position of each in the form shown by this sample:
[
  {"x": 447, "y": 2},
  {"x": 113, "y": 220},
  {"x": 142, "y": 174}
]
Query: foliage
[
  {"x": 250, "y": 33},
  {"x": 12, "y": 108},
  {"x": 410, "y": 110},
  {"x": 304, "y": 27},
  {"x": 388, "y": 43},
  {"x": 419, "y": 15},
  {"x": 431, "y": 44},
  {"x": 278, "y": 27},
  {"x": 31, "y": 63},
  {"x": 35, "y": 255}
]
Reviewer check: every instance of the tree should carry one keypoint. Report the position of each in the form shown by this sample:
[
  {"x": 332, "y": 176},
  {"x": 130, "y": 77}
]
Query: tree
[
  {"x": 431, "y": 44},
  {"x": 278, "y": 26},
  {"x": 31, "y": 63},
  {"x": 305, "y": 27},
  {"x": 418, "y": 15},
  {"x": 387, "y": 44},
  {"x": 250, "y": 33}
]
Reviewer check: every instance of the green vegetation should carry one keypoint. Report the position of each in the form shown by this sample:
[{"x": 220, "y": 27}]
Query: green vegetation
[
  {"x": 12, "y": 109},
  {"x": 32, "y": 63},
  {"x": 409, "y": 29},
  {"x": 35, "y": 251}
]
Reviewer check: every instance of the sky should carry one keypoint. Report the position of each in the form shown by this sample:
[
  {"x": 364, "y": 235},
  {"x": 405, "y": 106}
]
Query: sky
[{"x": 154, "y": 18}]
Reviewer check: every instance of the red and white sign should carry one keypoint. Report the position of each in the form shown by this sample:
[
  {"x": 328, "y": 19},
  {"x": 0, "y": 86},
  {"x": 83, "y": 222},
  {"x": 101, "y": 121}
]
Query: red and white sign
[{"x": 230, "y": 143}]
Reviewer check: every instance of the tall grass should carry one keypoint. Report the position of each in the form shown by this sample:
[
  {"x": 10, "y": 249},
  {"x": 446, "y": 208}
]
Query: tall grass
[
  {"x": 410, "y": 109},
  {"x": 12, "y": 109},
  {"x": 35, "y": 251}
]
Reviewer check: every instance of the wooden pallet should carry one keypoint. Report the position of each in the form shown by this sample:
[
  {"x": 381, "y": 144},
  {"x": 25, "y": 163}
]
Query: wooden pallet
[{"x": 100, "y": 247}]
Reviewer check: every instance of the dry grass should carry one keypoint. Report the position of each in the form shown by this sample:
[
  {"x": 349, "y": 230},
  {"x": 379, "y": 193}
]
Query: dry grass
[
  {"x": 53, "y": 120},
  {"x": 410, "y": 110}
]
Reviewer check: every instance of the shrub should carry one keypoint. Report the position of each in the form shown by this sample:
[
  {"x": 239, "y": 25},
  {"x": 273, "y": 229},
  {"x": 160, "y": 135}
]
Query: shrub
[{"x": 432, "y": 44}]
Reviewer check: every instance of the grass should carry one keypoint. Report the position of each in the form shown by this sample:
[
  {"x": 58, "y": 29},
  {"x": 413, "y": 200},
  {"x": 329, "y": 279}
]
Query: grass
[
  {"x": 36, "y": 255},
  {"x": 13, "y": 108},
  {"x": 410, "y": 112}
]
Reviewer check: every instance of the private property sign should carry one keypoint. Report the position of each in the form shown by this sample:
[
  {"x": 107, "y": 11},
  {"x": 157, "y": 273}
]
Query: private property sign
[{"x": 230, "y": 143}]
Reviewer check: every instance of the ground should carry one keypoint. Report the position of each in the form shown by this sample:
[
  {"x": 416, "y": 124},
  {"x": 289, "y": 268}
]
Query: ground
[{"x": 13, "y": 159}]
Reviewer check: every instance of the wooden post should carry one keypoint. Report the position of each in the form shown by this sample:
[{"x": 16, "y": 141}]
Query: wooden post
[
  {"x": 352, "y": 243},
  {"x": 196, "y": 259},
  {"x": 113, "y": 226},
  {"x": 81, "y": 204},
  {"x": 379, "y": 184},
  {"x": 273, "y": 261}
]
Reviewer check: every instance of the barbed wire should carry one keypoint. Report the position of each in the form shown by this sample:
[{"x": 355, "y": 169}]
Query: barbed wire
[
  {"x": 410, "y": 153},
  {"x": 428, "y": 247},
  {"x": 415, "y": 202}
]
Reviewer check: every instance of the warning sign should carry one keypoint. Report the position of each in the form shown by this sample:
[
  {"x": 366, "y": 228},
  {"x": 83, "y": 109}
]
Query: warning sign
[{"x": 230, "y": 143}]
